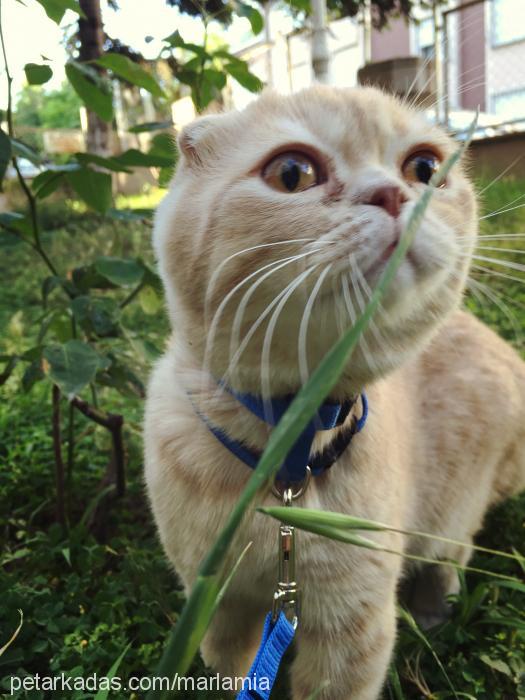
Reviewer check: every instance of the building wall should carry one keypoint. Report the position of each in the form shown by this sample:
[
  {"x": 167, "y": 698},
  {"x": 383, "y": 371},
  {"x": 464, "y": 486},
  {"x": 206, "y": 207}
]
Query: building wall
[
  {"x": 392, "y": 42},
  {"x": 472, "y": 63}
]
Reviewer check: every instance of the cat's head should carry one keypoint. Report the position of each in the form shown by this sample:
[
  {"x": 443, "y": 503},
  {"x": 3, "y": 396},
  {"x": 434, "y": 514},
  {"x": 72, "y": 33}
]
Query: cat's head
[{"x": 280, "y": 220}]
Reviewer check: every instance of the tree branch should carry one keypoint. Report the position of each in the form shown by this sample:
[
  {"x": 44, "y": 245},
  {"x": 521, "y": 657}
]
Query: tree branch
[
  {"x": 112, "y": 422},
  {"x": 59, "y": 463}
]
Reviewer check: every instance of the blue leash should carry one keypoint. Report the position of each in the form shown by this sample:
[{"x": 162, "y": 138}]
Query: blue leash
[
  {"x": 278, "y": 631},
  {"x": 276, "y": 639}
]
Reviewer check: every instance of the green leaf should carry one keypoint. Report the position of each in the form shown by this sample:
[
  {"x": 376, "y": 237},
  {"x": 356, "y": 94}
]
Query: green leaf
[
  {"x": 149, "y": 301},
  {"x": 215, "y": 77},
  {"x": 146, "y": 349},
  {"x": 56, "y": 9},
  {"x": 252, "y": 15},
  {"x": 66, "y": 551},
  {"x": 86, "y": 277},
  {"x": 5, "y": 154},
  {"x": 496, "y": 664},
  {"x": 303, "y": 5},
  {"x": 32, "y": 374},
  {"x": 37, "y": 73},
  {"x": 150, "y": 126},
  {"x": 8, "y": 369},
  {"x": 99, "y": 315},
  {"x": 22, "y": 150},
  {"x": 73, "y": 365},
  {"x": 46, "y": 183},
  {"x": 137, "y": 159},
  {"x": 164, "y": 145},
  {"x": 16, "y": 221},
  {"x": 120, "y": 271},
  {"x": 119, "y": 376},
  {"x": 108, "y": 163},
  {"x": 243, "y": 76},
  {"x": 127, "y": 69},
  {"x": 93, "y": 187},
  {"x": 176, "y": 41},
  {"x": 94, "y": 92}
]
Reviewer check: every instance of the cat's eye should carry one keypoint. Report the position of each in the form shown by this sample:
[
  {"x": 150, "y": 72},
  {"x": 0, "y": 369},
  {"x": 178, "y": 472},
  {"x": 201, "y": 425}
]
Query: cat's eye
[
  {"x": 291, "y": 172},
  {"x": 420, "y": 166}
]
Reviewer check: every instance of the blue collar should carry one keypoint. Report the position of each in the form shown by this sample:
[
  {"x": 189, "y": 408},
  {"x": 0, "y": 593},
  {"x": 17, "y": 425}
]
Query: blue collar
[{"x": 293, "y": 469}]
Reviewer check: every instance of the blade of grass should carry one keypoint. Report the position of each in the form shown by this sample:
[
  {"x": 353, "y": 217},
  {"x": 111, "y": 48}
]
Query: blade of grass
[
  {"x": 14, "y": 635},
  {"x": 407, "y": 617},
  {"x": 303, "y": 517},
  {"x": 301, "y": 520},
  {"x": 104, "y": 694},
  {"x": 395, "y": 684},
  {"x": 196, "y": 615}
]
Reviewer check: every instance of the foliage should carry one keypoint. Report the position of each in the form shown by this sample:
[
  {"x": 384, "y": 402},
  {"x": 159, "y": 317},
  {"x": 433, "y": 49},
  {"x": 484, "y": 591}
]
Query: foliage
[
  {"x": 139, "y": 599},
  {"x": 81, "y": 306},
  {"x": 82, "y": 340},
  {"x": 54, "y": 109}
]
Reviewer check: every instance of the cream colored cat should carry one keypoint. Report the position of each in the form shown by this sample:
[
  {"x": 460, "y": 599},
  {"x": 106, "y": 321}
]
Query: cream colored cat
[{"x": 316, "y": 188}]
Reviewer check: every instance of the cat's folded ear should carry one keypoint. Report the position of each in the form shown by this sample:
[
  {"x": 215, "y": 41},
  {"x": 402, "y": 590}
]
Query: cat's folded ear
[{"x": 196, "y": 140}]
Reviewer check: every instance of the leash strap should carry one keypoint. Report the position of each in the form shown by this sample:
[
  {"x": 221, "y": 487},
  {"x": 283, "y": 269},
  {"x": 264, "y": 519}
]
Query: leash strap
[{"x": 276, "y": 639}]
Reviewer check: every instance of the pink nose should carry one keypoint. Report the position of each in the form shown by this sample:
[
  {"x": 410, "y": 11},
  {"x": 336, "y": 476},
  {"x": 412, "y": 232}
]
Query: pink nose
[{"x": 389, "y": 197}]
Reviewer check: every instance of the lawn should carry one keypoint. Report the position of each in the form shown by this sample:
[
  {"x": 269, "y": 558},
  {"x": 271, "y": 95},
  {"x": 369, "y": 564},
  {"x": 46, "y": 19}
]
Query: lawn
[{"x": 84, "y": 600}]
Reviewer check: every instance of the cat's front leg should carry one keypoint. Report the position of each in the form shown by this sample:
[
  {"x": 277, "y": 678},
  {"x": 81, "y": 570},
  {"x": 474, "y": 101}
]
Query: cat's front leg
[{"x": 348, "y": 653}]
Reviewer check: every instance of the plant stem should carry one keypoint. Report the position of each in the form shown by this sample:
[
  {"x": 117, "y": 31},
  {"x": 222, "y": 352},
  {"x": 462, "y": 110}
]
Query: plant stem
[
  {"x": 23, "y": 184},
  {"x": 132, "y": 295},
  {"x": 70, "y": 443},
  {"x": 114, "y": 423},
  {"x": 59, "y": 464}
]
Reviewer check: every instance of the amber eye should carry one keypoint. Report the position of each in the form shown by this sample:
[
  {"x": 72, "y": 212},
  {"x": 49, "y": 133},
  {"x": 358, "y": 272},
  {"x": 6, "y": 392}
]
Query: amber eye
[
  {"x": 420, "y": 166},
  {"x": 291, "y": 172}
]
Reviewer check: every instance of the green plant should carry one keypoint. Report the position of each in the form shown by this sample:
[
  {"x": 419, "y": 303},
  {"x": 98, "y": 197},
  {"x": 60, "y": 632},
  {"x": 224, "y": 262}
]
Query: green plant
[{"x": 84, "y": 342}]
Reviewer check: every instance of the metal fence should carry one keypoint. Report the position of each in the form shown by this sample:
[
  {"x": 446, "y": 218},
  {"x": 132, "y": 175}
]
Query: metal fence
[{"x": 484, "y": 65}]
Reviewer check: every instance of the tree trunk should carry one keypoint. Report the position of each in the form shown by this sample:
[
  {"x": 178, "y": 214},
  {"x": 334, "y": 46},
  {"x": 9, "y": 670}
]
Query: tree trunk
[
  {"x": 320, "y": 53},
  {"x": 91, "y": 37}
]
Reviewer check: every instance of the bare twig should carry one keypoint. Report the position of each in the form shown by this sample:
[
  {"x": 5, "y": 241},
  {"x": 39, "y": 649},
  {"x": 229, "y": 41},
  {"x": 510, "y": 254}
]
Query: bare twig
[
  {"x": 59, "y": 463},
  {"x": 112, "y": 422}
]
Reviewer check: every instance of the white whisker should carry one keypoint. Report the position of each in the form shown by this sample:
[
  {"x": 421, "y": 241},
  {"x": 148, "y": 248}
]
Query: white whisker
[
  {"x": 488, "y": 271},
  {"x": 265, "y": 355},
  {"x": 215, "y": 275},
  {"x": 241, "y": 308},
  {"x": 500, "y": 261},
  {"x": 303, "y": 328}
]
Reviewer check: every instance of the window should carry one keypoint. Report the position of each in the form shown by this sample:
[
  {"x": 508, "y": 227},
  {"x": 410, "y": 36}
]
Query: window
[
  {"x": 509, "y": 105},
  {"x": 508, "y": 21},
  {"x": 425, "y": 37}
]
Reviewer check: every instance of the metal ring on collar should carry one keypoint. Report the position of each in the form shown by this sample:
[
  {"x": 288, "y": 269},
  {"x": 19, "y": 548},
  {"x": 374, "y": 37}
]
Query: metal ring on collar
[{"x": 286, "y": 493}]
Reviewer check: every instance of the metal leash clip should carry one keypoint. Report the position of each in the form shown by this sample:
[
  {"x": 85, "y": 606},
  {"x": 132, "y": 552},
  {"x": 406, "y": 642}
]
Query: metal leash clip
[{"x": 287, "y": 595}]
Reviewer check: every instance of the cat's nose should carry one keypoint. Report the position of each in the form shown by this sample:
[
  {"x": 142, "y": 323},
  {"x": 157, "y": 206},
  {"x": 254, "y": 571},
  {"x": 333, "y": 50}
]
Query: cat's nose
[{"x": 388, "y": 197}]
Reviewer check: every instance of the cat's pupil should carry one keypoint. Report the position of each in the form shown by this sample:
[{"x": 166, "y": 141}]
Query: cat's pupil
[
  {"x": 290, "y": 175},
  {"x": 424, "y": 169}
]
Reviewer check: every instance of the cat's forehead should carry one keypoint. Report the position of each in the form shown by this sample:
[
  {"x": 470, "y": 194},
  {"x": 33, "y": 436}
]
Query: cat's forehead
[{"x": 353, "y": 121}]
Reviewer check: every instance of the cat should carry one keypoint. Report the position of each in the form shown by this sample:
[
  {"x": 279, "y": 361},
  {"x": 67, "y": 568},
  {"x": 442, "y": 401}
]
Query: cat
[{"x": 309, "y": 193}]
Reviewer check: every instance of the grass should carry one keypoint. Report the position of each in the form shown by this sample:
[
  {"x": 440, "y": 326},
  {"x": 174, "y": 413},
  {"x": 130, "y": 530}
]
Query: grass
[{"x": 83, "y": 601}]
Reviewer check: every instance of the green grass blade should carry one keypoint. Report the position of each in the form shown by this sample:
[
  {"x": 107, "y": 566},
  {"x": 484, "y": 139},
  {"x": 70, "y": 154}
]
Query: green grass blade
[
  {"x": 104, "y": 694},
  {"x": 408, "y": 618},
  {"x": 322, "y": 524},
  {"x": 395, "y": 684},
  {"x": 308, "y": 518},
  {"x": 187, "y": 634}
]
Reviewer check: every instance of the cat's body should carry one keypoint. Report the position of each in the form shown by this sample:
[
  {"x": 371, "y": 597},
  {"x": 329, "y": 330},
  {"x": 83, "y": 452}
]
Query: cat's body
[{"x": 444, "y": 438}]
